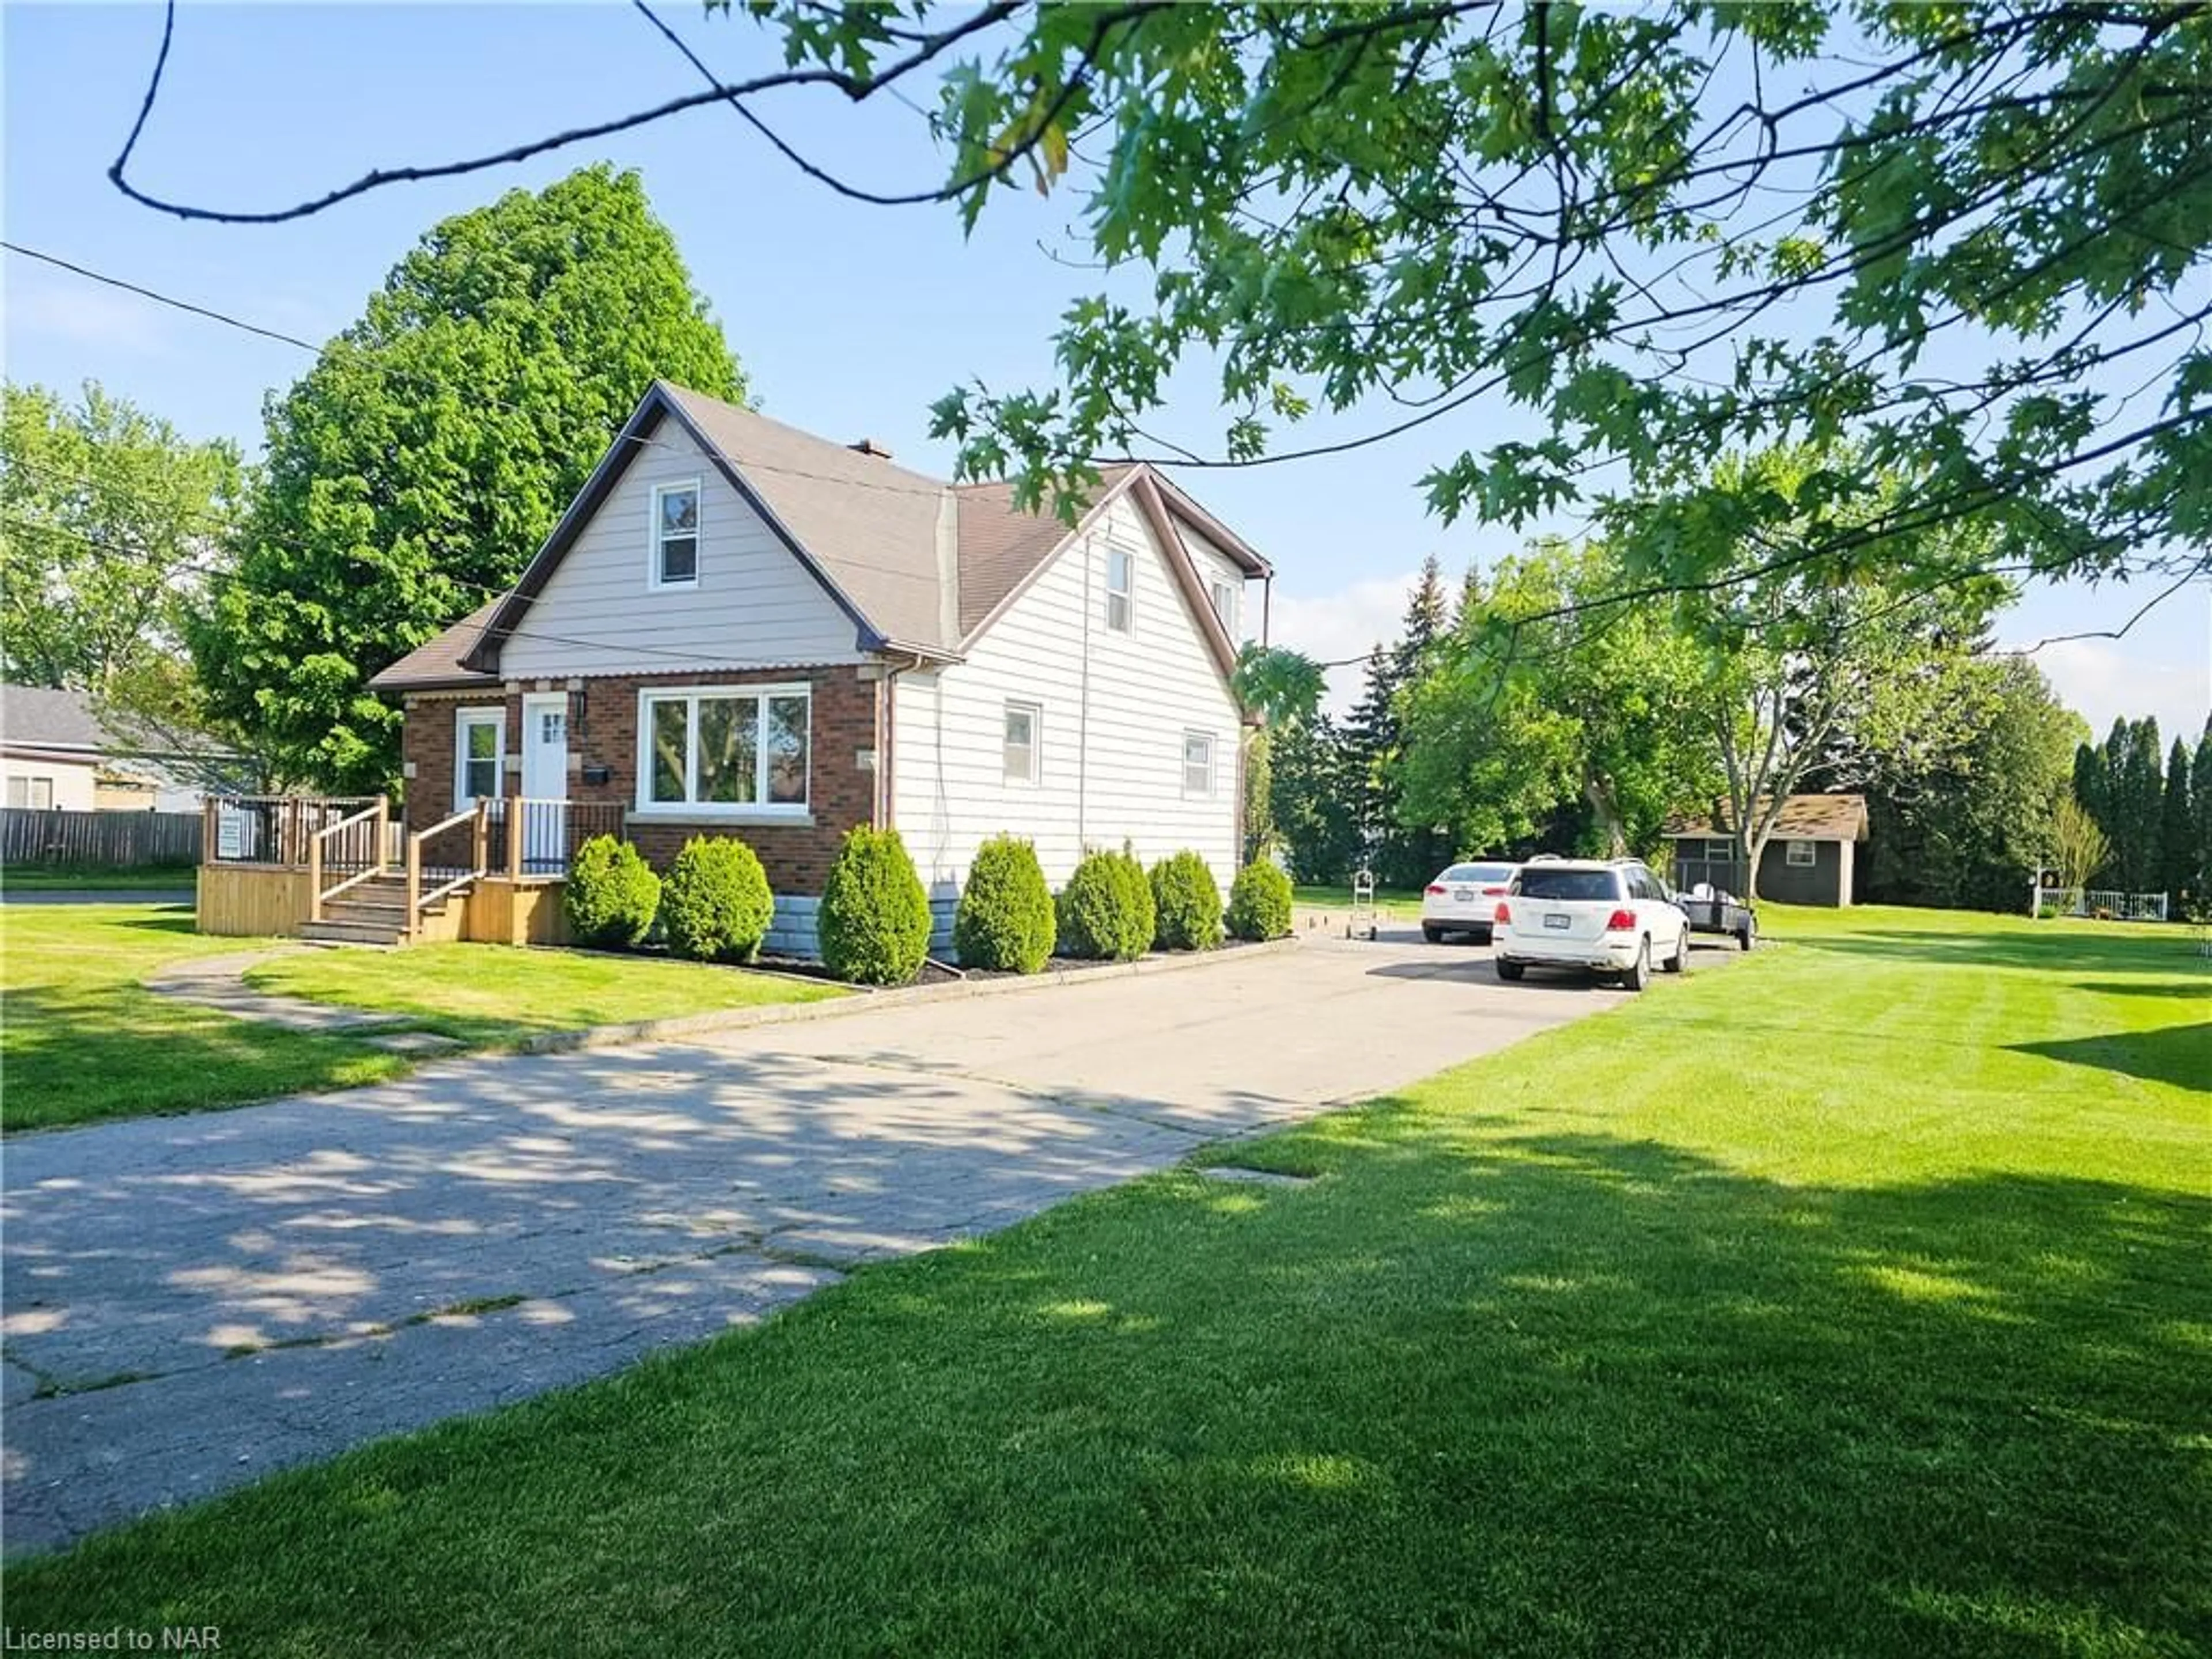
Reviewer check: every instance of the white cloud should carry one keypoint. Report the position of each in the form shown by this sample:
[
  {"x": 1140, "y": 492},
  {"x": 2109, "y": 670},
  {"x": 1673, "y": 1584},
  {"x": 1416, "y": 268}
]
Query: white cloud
[
  {"x": 86, "y": 315},
  {"x": 2105, "y": 680},
  {"x": 1330, "y": 626}
]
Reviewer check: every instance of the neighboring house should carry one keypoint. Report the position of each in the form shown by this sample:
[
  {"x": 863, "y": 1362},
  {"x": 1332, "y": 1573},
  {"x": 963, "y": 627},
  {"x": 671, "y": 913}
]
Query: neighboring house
[
  {"x": 1811, "y": 857},
  {"x": 55, "y": 753},
  {"x": 741, "y": 628}
]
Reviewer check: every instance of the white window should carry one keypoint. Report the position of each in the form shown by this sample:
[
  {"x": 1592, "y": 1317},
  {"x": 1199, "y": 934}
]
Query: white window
[
  {"x": 1225, "y": 606},
  {"x": 1120, "y": 592},
  {"x": 676, "y": 535},
  {"x": 1024, "y": 735},
  {"x": 1801, "y": 855},
  {"x": 479, "y": 754},
  {"x": 730, "y": 751},
  {"x": 1197, "y": 763},
  {"x": 35, "y": 793}
]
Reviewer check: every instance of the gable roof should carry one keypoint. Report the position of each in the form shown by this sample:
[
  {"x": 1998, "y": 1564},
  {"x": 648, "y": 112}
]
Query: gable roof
[
  {"x": 1804, "y": 817},
  {"x": 917, "y": 564}
]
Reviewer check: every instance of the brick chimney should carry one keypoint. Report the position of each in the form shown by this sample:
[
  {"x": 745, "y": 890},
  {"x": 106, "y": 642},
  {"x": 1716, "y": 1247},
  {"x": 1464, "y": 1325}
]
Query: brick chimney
[{"x": 870, "y": 446}]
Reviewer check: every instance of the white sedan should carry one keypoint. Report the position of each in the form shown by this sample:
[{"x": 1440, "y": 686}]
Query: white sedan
[
  {"x": 1461, "y": 900},
  {"x": 1613, "y": 918}
]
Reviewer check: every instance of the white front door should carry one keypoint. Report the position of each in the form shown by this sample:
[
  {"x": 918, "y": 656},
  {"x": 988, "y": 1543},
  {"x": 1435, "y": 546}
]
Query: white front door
[{"x": 544, "y": 782}]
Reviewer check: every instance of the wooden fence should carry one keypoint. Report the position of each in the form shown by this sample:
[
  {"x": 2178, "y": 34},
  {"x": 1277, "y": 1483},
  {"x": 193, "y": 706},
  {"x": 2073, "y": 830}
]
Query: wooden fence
[{"x": 109, "y": 839}]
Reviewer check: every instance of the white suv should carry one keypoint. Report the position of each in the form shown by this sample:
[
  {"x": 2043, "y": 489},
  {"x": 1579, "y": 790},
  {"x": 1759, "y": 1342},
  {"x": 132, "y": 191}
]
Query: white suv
[{"x": 1605, "y": 918}]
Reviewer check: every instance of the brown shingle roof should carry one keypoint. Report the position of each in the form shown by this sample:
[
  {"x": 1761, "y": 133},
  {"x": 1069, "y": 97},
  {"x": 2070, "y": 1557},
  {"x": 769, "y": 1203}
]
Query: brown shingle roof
[
  {"x": 1001, "y": 546},
  {"x": 917, "y": 563},
  {"x": 1804, "y": 817},
  {"x": 436, "y": 662}
]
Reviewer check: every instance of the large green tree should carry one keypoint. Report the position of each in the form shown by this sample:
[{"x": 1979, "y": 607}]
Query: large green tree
[
  {"x": 2176, "y": 832},
  {"x": 2200, "y": 772},
  {"x": 1961, "y": 815},
  {"x": 418, "y": 465},
  {"x": 111, "y": 524},
  {"x": 1600, "y": 711}
]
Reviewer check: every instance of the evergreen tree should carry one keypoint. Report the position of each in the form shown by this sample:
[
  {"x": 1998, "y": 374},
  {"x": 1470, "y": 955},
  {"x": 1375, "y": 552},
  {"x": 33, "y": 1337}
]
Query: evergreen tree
[
  {"x": 2200, "y": 772},
  {"x": 2092, "y": 787},
  {"x": 2139, "y": 789},
  {"x": 1369, "y": 739},
  {"x": 2176, "y": 832}
]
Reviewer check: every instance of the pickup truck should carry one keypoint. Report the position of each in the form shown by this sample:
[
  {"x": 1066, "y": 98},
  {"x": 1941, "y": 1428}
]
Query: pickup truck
[{"x": 1712, "y": 911}]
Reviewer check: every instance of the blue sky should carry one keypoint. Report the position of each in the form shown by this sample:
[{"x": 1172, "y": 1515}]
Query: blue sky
[{"x": 850, "y": 319}]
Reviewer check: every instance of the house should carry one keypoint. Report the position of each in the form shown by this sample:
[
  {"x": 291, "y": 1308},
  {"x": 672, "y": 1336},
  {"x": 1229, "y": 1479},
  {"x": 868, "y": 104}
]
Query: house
[
  {"x": 739, "y": 627},
  {"x": 56, "y": 754},
  {"x": 1810, "y": 859}
]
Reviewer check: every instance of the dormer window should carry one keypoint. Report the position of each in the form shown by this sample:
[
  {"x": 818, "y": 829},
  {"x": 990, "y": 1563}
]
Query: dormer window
[
  {"x": 676, "y": 535},
  {"x": 1223, "y": 596}
]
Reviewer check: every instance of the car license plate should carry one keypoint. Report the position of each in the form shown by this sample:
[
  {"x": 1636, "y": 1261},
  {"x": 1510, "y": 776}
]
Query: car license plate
[
  {"x": 1463, "y": 894},
  {"x": 1559, "y": 921}
]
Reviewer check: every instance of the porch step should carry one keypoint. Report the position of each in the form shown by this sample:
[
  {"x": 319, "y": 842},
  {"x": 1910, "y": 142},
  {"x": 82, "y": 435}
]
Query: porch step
[{"x": 351, "y": 933}]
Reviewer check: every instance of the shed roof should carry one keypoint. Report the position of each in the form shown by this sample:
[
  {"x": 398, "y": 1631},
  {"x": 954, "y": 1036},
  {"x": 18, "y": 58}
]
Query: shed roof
[{"x": 1804, "y": 817}]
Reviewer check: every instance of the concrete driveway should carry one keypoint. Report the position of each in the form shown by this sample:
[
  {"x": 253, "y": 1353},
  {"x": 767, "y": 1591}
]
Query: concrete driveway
[{"x": 190, "y": 1303}]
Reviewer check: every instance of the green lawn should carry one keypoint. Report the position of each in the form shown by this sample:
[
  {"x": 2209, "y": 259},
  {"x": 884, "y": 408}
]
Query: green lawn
[
  {"x": 82, "y": 1040},
  {"x": 44, "y": 878},
  {"x": 1390, "y": 901},
  {"x": 1856, "y": 1300},
  {"x": 485, "y": 995}
]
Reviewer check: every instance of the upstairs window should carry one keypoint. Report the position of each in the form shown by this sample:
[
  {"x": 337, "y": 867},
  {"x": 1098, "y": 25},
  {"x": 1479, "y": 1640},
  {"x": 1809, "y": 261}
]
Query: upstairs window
[
  {"x": 676, "y": 535},
  {"x": 1225, "y": 606},
  {"x": 1120, "y": 592},
  {"x": 1021, "y": 756},
  {"x": 1197, "y": 763}
]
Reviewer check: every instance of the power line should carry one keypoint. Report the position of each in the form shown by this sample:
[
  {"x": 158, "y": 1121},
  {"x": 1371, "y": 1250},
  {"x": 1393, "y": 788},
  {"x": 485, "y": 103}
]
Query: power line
[{"x": 158, "y": 298}]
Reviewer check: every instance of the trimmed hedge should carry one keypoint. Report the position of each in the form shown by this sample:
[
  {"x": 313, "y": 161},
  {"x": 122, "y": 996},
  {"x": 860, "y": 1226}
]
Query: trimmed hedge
[
  {"x": 875, "y": 914},
  {"x": 1005, "y": 923},
  {"x": 1186, "y": 904},
  {"x": 1260, "y": 903},
  {"x": 1105, "y": 911},
  {"x": 715, "y": 904},
  {"x": 611, "y": 893}
]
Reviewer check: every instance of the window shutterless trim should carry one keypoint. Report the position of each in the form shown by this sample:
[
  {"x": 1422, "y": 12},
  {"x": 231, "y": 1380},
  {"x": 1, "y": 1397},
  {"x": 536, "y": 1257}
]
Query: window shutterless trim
[
  {"x": 1212, "y": 768},
  {"x": 758, "y": 810},
  {"x": 1035, "y": 747},
  {"x": 470, "y": 715},
  {"x": 1127, "y": 592},
  {"x": 655, "y": 579},
  {"x": 1810, "y": 860}
]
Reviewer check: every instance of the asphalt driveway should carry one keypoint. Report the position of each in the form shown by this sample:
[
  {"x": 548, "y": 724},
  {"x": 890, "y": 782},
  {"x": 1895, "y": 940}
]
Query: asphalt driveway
[{"x": 191, "y": 1303}]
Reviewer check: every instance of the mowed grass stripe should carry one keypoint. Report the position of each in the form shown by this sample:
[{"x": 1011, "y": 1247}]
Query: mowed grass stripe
[{"x": 1755, "y": 1318}]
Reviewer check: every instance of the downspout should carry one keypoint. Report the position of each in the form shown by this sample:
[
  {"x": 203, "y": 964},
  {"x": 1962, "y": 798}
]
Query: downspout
[{"x": 1082, "y": 721}]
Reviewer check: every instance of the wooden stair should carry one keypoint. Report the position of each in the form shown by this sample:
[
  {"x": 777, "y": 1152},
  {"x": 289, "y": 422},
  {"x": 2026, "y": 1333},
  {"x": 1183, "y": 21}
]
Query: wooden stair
[{"x": 374, "y": 912}]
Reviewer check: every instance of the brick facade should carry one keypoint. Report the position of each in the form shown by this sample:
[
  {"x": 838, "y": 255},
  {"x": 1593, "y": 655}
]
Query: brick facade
[{"x": 603, "y": 733}]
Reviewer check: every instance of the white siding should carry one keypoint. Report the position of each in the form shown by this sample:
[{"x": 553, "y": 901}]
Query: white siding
[
  {"x": 755, "y": 605},
  {"x": 1115, "y": 710},
  {"x": 72, "y": 781}
]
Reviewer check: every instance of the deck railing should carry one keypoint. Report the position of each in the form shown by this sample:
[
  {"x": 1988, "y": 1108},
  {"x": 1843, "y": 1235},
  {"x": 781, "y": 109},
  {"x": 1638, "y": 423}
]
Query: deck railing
[
  {"x": 533, "y": 838},
  {"x": 344, "y": 855},
  {"x": 271, "y": 829}
]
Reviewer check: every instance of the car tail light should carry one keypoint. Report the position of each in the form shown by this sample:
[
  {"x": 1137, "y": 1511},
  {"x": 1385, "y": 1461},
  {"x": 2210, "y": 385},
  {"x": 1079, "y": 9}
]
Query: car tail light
[
  {"x": 1492, "y": 892},
  {"x": 1503, "y": 916},
  {"x": 1434, "y": 887},
  {"x": 1620, "y": 922}
]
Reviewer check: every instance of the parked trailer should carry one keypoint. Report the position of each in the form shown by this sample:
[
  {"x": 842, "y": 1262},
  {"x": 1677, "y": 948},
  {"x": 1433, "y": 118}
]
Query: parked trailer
[{"x": 1712, "y": 911}]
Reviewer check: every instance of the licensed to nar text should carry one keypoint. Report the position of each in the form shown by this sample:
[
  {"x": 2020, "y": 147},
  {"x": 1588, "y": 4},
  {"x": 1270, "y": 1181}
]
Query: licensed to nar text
[{"x": 116, "y": 1638}]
